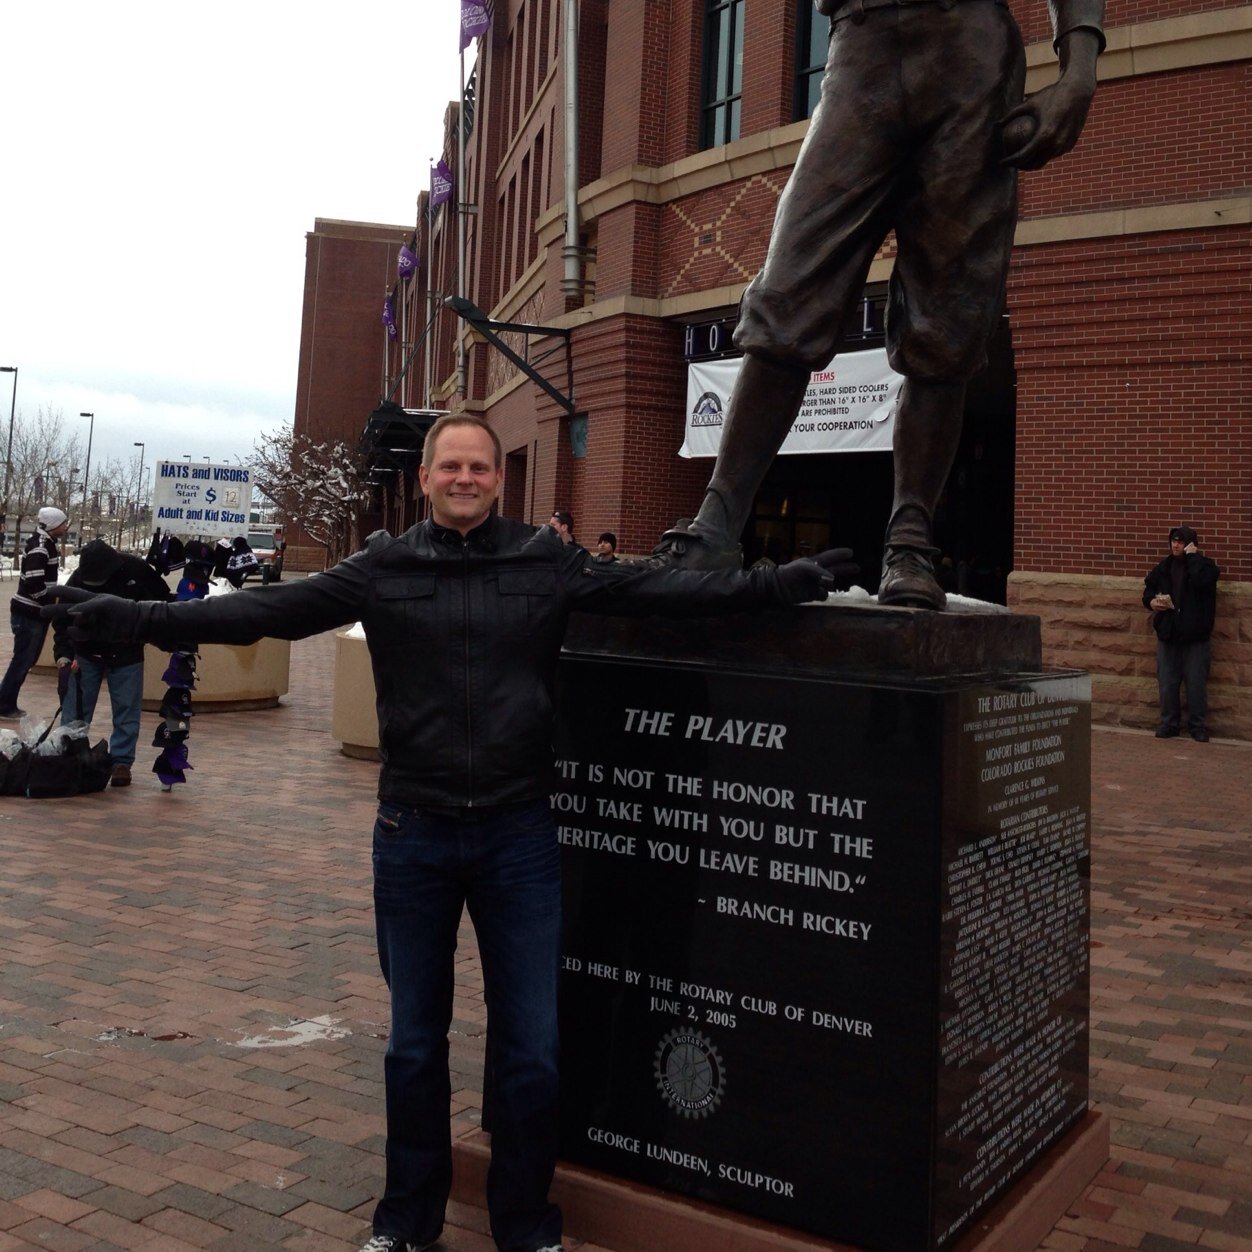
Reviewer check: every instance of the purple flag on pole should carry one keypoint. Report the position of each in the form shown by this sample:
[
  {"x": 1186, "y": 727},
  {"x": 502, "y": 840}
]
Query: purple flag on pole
[
  {"x": 440, "y": 183},
  {"x": 389, "y": 318},
  {"x": 475, "y": 21},
  {"x": 406, "y": 263}
]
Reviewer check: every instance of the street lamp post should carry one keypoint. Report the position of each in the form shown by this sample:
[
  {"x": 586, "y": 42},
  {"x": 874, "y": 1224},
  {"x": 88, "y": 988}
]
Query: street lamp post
[
  {"x": 8, "y": 456},
  {"x": 91, "y": 430},
  {"x": 139, "y": 489}
]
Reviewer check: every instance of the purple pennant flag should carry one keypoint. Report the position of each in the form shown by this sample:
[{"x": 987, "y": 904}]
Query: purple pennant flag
[
  {"x": 389, "y": 318},
  {"x": 475, "y": 21},
  {"x": 440, "y": 183},
  {"x": 406, "y": 263}
]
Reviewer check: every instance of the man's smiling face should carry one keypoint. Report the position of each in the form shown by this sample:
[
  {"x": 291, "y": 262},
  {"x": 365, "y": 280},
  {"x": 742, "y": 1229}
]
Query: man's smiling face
[{"x": 463, "y": 480}]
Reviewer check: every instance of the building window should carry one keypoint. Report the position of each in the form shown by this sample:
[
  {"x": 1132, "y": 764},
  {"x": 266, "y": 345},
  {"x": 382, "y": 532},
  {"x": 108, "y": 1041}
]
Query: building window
[
  {"x": 723, "y": 72},
  {"x": 812, "y": 38}
]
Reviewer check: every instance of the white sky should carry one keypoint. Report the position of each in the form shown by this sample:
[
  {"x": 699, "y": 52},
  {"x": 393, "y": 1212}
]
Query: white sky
[{"x": 160, "y": 166}]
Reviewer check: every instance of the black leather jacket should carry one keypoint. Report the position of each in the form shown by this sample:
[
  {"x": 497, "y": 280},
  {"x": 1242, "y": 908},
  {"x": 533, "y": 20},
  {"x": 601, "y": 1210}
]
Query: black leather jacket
[
  {"x": 464, "y": 636},
  {"x": 1192, "y": 618}
]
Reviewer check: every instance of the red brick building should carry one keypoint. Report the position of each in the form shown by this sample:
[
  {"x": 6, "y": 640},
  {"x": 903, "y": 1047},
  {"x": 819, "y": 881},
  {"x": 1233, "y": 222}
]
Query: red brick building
[
  {"x": 348, "y": 267},
  {"x": 1116, "y": 402}
]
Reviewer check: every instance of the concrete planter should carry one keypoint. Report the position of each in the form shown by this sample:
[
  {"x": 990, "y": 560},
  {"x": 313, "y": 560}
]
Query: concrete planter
[
  {"x": 354, "y": 717},
  {"x": 230, "y": 679}
]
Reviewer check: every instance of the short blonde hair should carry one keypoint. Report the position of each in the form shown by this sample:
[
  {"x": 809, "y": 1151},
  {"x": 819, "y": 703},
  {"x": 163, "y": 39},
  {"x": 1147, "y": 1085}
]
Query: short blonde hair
[{"x": 449, "y": 420}]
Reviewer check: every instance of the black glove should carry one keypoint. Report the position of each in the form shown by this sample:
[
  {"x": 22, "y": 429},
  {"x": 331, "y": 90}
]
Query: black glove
[
  {"x": 63, "y": 681},
  {"x": 94, "y": 617},
  {"x": 807, "y": 579}
]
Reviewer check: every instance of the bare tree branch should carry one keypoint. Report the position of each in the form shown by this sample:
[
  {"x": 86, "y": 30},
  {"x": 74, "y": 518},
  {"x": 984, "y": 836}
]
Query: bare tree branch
[
  {"x": 47, "y": 469},
  {"x": 319, "y": 487}
]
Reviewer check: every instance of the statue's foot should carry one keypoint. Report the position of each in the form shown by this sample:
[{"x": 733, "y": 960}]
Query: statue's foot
[
  {"x": 686, "y": 545},
  {"x": 908, "y": 580}
]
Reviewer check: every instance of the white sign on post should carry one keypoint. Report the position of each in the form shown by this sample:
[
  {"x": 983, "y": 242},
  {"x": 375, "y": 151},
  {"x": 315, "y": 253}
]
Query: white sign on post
[
  {"x": 210, "y": 500},
  {"x": 848, "y": 407}
]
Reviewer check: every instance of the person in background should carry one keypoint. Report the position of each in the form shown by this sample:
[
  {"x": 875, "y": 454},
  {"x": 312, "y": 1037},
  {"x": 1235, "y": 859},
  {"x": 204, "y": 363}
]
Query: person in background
[
  {"x": 103, "y": 569},
  {"x": 1181, "y": 593},
  {"x": 40, "y": 563},
  {"x": 606, "y": 548},
  {"x": 563, "y": 523}
]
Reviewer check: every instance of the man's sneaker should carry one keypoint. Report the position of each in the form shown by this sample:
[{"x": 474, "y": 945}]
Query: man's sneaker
[
  {"x": 120, "y": 776},
  {"x": 1167, "y": 732},
  {"x": 12, "y": 715},
  {"x": 393, "y": 1243},
  {"x": 552, "y": 1247}
]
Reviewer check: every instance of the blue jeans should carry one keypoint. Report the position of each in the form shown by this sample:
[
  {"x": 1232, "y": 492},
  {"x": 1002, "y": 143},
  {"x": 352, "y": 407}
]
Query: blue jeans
[
  {"x": 28, "y": 637},
  {"x": 1179, "y": 665},
  {"x": 506, "y": 867},
  {"x": 125, "y": 694}
]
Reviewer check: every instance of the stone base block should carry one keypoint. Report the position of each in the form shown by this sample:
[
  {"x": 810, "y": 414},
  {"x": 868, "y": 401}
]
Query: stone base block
[
  {"x": 1098, "y": 623},
  {"x": 630, "y": 1217}
]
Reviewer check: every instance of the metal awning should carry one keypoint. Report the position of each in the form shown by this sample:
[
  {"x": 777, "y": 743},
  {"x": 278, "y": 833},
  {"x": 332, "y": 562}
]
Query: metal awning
[{"x": 393, "y": 436}]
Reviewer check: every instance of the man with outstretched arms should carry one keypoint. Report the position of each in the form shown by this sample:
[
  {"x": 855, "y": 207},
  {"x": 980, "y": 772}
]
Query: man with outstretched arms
[{"x": 464, "y": 616}]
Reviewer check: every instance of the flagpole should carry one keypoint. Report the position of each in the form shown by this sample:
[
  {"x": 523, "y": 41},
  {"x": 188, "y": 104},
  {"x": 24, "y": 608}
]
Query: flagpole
[
  {"x": 462, "y": 372},
  {"x": 402, "y": 292},
  {"x": 430, "y": 315}
]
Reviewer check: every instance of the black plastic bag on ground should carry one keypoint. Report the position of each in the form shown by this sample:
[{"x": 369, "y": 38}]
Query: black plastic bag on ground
[
  {"x": 78, "y": 769},
  {"x": 71, "y": 768}
]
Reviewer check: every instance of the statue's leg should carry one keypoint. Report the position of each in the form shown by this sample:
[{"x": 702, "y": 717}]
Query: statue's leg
[
  {"x": 955, "y": 235},
  {"x": 832, "y": 216},
  {"x": 766, "y": 398},
  {"x": 924, "y": 443}
]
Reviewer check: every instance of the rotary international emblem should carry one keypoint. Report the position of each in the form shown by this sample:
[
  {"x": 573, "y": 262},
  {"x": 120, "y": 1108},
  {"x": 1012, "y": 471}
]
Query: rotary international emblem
[{"x": 689, "y": 1073}]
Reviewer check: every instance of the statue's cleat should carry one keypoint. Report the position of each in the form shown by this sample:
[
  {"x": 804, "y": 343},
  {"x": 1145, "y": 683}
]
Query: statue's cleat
[
  {"x": 686, "y": 546},
  {"x": 908, "y": 580}
]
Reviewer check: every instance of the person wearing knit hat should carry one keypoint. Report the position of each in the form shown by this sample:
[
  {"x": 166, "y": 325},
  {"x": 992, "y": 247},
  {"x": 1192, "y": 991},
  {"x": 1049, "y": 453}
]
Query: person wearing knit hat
[
  {"x": 606, "y": 548},
  {"x": 1181, "y": 593},
  {"x": 40, "y": 562}
]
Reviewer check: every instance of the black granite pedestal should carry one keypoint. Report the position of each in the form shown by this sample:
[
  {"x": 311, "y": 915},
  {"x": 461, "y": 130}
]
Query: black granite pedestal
[{"x": 826, "y": 904}]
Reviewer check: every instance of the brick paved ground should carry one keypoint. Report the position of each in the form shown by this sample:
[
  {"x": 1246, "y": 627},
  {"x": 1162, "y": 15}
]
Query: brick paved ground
[{"x": 192, "y": 1021}]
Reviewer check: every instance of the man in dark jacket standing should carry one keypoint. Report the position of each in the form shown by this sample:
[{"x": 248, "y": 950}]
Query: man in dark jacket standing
[
  {"x": 102, "y": 569},
  {"x": 464, "y": 616},
  {"x": 1182, "y": 594}
]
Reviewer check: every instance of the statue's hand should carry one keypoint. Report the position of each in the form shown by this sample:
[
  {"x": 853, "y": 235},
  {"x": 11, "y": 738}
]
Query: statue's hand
[
  {"x": 1044, "y": 126},
  {"x": 1047, "y": 125}
]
